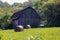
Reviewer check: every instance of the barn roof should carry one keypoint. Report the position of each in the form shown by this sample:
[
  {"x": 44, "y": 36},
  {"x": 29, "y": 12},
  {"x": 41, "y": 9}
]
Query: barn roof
[{"x": 17, "y": 14}]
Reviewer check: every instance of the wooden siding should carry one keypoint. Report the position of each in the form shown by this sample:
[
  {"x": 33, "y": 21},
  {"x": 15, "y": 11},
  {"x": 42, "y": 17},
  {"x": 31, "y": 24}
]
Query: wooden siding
[{"x": 27, "y": 17}]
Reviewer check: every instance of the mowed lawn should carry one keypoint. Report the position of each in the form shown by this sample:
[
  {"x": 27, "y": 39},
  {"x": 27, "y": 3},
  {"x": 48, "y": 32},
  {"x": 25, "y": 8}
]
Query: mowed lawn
[{"x": 43, "y": 33}]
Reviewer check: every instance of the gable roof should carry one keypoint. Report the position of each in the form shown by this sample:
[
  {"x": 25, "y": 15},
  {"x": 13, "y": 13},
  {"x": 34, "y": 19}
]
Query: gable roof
[{"x": 17, "y": 14}]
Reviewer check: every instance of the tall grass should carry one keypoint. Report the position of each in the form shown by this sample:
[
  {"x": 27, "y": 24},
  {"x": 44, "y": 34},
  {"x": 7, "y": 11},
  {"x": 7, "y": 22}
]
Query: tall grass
[
  {"x": 34, "y": 38},
  {"x": 31, "y": 34}
]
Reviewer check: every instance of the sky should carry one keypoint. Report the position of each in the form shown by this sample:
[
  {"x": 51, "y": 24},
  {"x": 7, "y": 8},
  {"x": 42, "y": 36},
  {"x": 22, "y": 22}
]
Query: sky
[{"x": 12, "y": 1}]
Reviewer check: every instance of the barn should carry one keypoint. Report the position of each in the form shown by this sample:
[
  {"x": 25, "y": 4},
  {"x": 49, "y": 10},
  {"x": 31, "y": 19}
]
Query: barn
[{"x": 27, "y": 16}]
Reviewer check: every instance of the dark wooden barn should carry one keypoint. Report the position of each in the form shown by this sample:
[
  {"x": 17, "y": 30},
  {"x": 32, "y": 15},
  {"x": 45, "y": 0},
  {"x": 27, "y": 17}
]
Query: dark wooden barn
[{"x": 28, "y": 16}]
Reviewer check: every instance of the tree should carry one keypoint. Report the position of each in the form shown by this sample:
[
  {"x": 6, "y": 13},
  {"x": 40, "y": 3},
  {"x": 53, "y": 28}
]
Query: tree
[
  {"x": 1, "y": 3},
  {"x": 17, "y": 5},
  {"x": 4, "y": 21},
  {"x": 52, "y": 14}
]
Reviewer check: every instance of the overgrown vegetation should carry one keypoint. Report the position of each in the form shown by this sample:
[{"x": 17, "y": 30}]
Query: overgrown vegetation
[
  {"x": 32, "y": 34},
  {"x": 52, "y": 13},
  {"x": 49, "y": 10},
  {"x": 34, "y": 37}
]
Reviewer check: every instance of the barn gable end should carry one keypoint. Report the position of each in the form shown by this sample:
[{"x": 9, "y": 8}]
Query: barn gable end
[
  {"x": 20, "y": 12},
  {"x": 28, "y": 16}
]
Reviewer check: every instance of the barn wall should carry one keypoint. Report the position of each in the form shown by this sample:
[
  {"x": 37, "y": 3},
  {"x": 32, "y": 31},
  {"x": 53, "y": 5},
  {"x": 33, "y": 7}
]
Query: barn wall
[
  {"x": 15, "y": 22},
  {"x": 29, "y": 17}
]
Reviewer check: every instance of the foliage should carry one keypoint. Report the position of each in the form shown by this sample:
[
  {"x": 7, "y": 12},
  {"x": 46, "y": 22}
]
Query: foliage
[
  {"x": 4, "y": 21},
  {"x": 52, "y": 13},
  {"x": 6, "y": 11}
]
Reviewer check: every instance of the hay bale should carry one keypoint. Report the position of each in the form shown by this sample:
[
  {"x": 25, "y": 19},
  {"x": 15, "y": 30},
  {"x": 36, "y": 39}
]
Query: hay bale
[
  {"x": 19, "y": 28},
  {"x": 28, "y": 26}
]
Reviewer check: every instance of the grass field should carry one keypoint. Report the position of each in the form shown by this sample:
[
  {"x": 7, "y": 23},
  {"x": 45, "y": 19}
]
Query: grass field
[{"x": 43, "y": 33}]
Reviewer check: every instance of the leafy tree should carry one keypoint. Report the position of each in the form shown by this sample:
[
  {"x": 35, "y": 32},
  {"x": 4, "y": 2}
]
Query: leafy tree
[
  {"x": 5, "y": 21},
  {"x": 52, "y": 14}
]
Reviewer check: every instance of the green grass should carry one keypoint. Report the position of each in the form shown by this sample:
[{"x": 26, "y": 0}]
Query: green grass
[{"x": 43, "y": 33}]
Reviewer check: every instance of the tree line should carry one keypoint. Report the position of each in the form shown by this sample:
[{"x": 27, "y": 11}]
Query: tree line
[{"x": 49, "y": 10}]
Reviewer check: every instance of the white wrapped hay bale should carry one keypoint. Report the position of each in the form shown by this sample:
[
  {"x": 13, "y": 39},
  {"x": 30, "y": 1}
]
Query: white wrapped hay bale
[
  {"x": 28, "y": 26},
  {"x": 19, "y": 28},
  {"x": 41, "y": 25}
]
